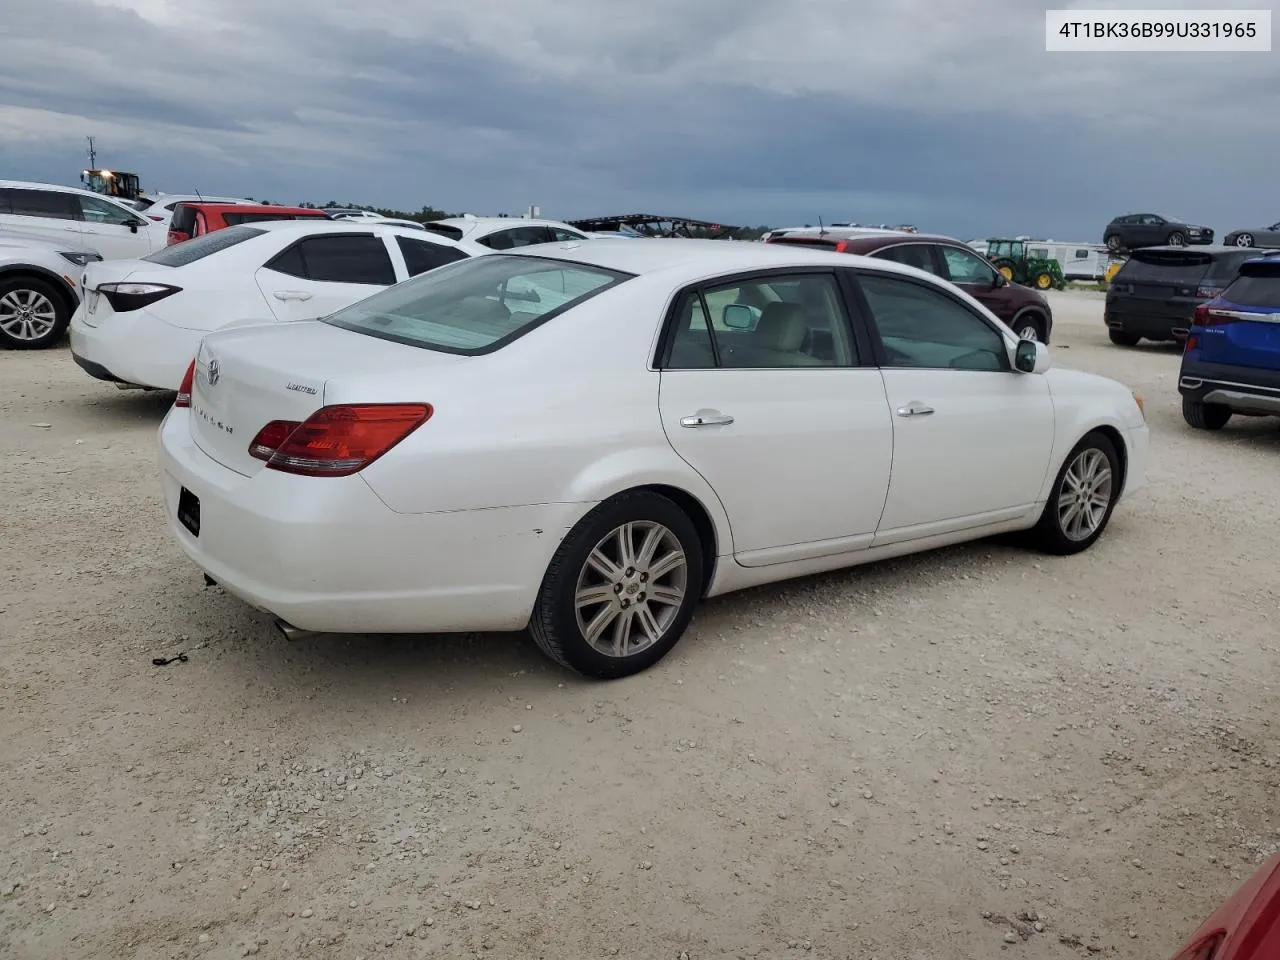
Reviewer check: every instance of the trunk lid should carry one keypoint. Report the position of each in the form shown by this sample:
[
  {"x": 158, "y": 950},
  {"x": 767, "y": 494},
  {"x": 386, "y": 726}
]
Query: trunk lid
[
  {"x": 1242, "y": 326},
  {"x": 96, "y": 307},
  {"x": 248, "y": 376}
]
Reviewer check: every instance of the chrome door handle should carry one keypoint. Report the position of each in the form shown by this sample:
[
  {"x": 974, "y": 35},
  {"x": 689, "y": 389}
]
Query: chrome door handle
[
  {"x": 706, "y": 420},
  {"x": 291, "y": 295},
  {"x": 914, "y": 409}
]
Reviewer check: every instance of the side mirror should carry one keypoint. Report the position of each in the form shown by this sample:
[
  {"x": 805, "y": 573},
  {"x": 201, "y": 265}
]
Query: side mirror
[
  {"x": 134, "y": 225},
  {"x": 1031, "y": 356},
  {"x": 999, "y": 281},
  {"x": 739, "y": 316}
]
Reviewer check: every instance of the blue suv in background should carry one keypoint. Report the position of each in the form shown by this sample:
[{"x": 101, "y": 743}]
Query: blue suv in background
[{"x": 1231, "y": 359}]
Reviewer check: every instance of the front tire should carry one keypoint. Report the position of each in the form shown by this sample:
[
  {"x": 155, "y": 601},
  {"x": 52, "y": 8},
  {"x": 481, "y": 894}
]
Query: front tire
[
  {"x": 33, "y": 314},
  {"x": 621, "y": 588},
  {"x": 1122, "y": 339},
  {"x": 1082, "y": 498},
  {"x": 1044, "y": 281},
  {"x": 1204, "y": 416},
  {"x": 1244, "y": 240},
  {"x": 1030, "y": 328},
  {"x": 1177, "y": 239}
]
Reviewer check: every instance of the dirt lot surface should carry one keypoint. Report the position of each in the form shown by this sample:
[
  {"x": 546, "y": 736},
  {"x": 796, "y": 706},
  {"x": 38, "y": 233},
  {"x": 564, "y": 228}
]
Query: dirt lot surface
[{"x": 975, "y": 753}]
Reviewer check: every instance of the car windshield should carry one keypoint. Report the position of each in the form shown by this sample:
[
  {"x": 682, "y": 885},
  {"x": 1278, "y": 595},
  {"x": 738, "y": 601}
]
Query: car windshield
[{"x": 477, "y": 305}]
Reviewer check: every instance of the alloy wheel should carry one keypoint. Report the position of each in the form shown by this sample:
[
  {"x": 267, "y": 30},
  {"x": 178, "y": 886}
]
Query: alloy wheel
[
  {"x": 27, "y": 314},
  {"x": 1085, "y": 494},
  {"x": 631, "y": 588}
]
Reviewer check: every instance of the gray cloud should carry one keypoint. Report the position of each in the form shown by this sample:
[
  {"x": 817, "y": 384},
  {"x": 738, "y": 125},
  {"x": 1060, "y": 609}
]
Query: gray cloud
[{"x": 950, "y": 115}]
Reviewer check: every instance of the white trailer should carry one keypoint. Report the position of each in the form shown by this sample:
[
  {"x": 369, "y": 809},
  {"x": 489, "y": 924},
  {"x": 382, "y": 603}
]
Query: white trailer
[{"x": 1079, "y": 261}]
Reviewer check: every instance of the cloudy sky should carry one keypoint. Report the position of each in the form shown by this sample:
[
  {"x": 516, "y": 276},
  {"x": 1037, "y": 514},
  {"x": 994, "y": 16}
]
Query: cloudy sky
[{"x": 944, "y": 113}]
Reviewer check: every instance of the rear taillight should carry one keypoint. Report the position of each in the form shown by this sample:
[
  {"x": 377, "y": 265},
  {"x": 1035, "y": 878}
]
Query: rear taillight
[
  {"x": 1207, "y": 316},
  {"x": 842, "y": 246},
  {"x": 1207, "y": 292},
  {"x": 338, "y": 441},
  {"x": 269, "y": 438},
  {"x": 124, "y": 297},
  {"x": 156, "y": 219},
  {"x": 184, "y": 391}
]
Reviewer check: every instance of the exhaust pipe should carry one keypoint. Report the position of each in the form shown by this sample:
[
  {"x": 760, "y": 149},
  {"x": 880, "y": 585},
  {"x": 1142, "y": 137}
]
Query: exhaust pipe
[{"x": 290, "y": 632}]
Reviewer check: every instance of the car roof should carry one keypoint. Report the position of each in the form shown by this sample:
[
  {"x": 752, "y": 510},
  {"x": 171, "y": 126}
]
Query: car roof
[
  {"x": 37, "y": 185},
  {"x": 475, "y": 223},
  {"x": 1213, "y": 249},
  {"x": 217, "y": 206},
  {"x": 329, "y": 225},
  {"x": 692, "y": 259}
]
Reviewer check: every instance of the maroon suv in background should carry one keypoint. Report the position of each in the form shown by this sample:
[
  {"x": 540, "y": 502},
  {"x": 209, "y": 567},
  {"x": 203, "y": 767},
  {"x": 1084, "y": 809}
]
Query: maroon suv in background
[{"x": 1024, "y": 310}]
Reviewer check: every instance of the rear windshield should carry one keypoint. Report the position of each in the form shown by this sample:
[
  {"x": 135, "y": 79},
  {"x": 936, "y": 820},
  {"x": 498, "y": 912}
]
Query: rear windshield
[
  {"x": 478, "y": 305},
  {"x": 189, "y": 251},
  {"x": 806, "y": 242},
  {"x": 445, "y": 230},
  {"x": 1178, "y": 266},
  {"x": 1258, "y": 287},
  {"x": 237, "y": 218}
]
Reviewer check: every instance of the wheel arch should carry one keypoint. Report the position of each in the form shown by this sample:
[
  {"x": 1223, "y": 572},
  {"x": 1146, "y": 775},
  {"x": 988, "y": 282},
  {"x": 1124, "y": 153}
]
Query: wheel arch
[
  {"x": 695, "y": 510},
  {"x": 70, "y": 299},
  {"x": 1037, "y": 311}
]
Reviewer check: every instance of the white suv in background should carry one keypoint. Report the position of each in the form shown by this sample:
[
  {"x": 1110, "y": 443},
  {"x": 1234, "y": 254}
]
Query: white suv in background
[
  {"x": 39, "y": 290},
  {"x": 76, "y": 219}
]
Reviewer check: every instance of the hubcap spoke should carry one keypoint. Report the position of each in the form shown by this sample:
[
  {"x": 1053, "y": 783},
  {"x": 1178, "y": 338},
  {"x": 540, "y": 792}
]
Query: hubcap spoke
[
  {"x": 622, "y": 633},
  {"x": 599, "y": 622},
  {"x": 602, "y": 565},
  {"x": 666, "y": 564},
  {"x": 665, "y": 596},
  {"x": 590, "y": 596}
]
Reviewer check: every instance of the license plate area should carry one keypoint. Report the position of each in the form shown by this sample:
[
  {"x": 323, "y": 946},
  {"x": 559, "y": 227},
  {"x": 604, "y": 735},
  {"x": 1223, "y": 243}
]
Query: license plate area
[{"x": 189, "y": 511}]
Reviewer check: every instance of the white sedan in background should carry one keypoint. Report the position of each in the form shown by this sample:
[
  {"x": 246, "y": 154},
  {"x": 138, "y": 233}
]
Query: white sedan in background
[
  {"x": 142, "y": 320},
  {"x": 504, "y": 233},
  {"x": 585, "y": 439}
]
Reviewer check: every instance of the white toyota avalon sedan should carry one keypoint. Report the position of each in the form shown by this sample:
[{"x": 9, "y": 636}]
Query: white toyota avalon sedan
[
  {"x": 585, "y": 439},
  {"x": 141, "y": 321}
]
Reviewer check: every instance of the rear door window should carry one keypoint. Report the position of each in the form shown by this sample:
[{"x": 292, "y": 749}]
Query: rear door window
[
  {"x": 517, "y": 237},
  {"x": 343, "y": 258},
  {"x": 48, "y": 204},
  {"x": 918, "y": 255},
  {"x": 184, "y": 219},
  {"x": 1226, "y": 266},
  {"x": 421, "y": 256}
]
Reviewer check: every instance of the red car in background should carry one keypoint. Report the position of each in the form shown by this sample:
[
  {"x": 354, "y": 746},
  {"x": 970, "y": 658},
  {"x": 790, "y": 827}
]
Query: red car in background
[
  {"x": 1246, "y": 927},
  {"x": 195, "y": 219}
]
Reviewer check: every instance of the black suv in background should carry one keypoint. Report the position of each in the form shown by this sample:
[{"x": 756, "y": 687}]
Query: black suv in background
[
  {"x": 1136, "y": 230},
  {"x": 1155, "y": 294}
]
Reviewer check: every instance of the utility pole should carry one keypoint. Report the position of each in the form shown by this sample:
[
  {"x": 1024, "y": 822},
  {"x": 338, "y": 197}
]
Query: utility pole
[{"x": 93, "y": 156}]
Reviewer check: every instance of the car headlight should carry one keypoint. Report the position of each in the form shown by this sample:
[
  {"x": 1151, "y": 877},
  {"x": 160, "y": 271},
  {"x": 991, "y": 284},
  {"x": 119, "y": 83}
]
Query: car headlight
[
  {"x": 79, "y": 258},
  {"x": 1142, "y": 406}
]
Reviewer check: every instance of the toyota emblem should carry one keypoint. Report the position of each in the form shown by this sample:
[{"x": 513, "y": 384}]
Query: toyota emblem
[{"x": 213, "y": 373}]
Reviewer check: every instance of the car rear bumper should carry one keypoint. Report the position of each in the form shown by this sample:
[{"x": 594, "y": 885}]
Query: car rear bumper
[
  {"x": 1159, "y": 322},
  {"x": 1247, "y": 390},
  {"x": 327, "y": 555},
  {"x": 134, "y": 348}
]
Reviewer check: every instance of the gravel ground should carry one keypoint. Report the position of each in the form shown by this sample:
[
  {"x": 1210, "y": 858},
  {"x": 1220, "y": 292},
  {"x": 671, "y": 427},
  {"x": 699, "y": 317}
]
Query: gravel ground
[{"x": 950, "y": 756}]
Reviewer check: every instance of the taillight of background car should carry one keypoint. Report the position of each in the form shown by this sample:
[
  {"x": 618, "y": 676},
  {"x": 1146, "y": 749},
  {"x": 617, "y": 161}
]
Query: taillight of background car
[
  {"x": 339, "y": 440},
  {"x": 184, "y": 389}
]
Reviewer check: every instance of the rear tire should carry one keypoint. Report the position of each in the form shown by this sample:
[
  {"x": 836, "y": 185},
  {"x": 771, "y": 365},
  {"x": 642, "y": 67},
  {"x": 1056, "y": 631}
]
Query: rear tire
[
  {"x": 1122, "y": 339},
  {"x": 1113, "y": 242},
  {"x": 33, "y": 313},
  {"x": 1082, "y": 498},
  {"x": 1044, "y": 281},
  {"x": 621, "y": 588},
  {"x": 1204, "y": 416}
]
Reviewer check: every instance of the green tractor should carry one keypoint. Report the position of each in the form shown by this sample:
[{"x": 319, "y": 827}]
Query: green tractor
[{"x": 1011, "y": 259}]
